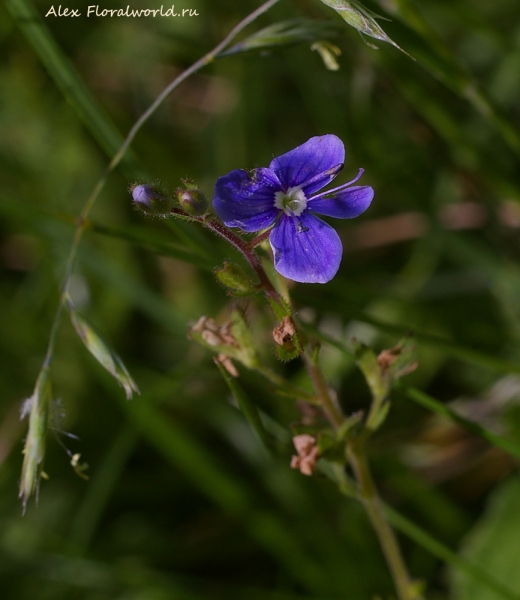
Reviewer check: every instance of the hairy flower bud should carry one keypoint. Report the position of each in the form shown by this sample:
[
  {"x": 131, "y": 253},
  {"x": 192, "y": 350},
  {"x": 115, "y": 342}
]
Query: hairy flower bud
[
  {"x": 151, "y": 201},
  {"x": 234, "y": 278},
  {"x": 192, "y": 200}
]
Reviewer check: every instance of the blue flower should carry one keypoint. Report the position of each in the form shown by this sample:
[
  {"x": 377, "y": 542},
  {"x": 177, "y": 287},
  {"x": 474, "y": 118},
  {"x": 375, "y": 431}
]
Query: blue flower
[{"x": 305, "y": 248}]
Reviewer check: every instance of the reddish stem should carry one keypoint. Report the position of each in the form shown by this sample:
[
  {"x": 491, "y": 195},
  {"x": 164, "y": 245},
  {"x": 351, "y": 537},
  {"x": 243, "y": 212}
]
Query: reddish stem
[
  {"x": 247, "y": 252},
  {"x": 259, "y": 239}
]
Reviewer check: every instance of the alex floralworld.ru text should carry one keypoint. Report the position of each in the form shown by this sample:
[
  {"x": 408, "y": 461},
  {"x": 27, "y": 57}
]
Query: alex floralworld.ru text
[{"x": 96, "y": 11}]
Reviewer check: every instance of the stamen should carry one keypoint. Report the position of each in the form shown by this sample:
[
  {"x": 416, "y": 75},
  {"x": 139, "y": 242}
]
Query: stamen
[
  {"x": 333, "y": 171},
  {"x": 339, "y": 188}
]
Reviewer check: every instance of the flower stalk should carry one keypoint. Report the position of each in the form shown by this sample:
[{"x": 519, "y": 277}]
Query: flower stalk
[
  {"x": 322, "y": 391},
  {"x": 368, "y": 495},
  {"x": 245, "y": 249},
  {"x": 355, "y": 446},
  {"x": 367, "y": 491}
]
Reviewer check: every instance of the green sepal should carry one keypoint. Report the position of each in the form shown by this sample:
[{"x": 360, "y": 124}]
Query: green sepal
[
  {"x": 243, "y": 336},
  {"x": 238, "y": 282},
  {"x": 286, "y": 355},
  {"x": 330, "y": 448},
  {"x": 366, "y": 360},
  {"x": 349, "y": 425},
  {"x": 157, "y": 202},
  {"x": 192, "y": 199}
]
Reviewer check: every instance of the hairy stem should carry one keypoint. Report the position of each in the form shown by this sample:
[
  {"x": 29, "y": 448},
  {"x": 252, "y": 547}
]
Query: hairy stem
[
  {"x": 322, "y": 391},
  {"x": 367, "y": 489},
  {"x": 369, "y": 497}
]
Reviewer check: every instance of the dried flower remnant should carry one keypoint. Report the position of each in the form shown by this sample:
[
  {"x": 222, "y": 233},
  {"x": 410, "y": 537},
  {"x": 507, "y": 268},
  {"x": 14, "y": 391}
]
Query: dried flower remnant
[
  {"x": 305, "y": 248},
  {"x": 283, "y": 333},
  {"x": 386, "y": 358},
  {"x": 213, "y": 334},
  {"x": 223, "y": 339},
  {"x": 227, "y": 363},
  {"x": 307, "y": 450}
]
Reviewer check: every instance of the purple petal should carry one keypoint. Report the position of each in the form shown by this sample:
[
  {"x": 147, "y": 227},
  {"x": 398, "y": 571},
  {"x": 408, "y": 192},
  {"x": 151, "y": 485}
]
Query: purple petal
[
  {"x": 305, "y": 249},
  {"x": 345, "y": 204},
  {"x": 317, "y": 156},
  {"x": 245, "y": 199}
]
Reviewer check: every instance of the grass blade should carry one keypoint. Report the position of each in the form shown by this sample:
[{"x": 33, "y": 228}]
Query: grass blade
[
  {"x": 438, "y": 60},
  {"x": 68, "y": 80},
  {"x": 505, "y": 444},
  {"x": 248, "y": 408},
  {"x": 444, "y": 553}
]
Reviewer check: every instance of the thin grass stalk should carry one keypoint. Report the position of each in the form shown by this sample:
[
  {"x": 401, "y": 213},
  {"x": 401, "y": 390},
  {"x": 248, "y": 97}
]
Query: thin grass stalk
[{"x": 35, "y": 425}]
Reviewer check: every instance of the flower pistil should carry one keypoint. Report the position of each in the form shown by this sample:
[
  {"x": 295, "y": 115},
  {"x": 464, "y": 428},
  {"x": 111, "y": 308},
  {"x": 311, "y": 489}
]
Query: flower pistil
[{"x": 293, "y": 202}]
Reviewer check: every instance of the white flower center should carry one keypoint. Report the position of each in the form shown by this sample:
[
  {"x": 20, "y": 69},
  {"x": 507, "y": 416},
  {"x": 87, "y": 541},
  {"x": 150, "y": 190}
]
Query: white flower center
[{"x": 293, "y": 202}]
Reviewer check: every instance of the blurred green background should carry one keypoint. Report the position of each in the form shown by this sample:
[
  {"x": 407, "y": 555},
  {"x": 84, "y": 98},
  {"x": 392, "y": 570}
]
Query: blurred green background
[{"x": 182, "y": 501}]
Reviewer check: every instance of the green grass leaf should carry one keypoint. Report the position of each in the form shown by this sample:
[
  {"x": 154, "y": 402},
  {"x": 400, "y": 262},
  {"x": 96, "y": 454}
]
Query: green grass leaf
[
  {"x": 494, "y": 546},
  {"x": 101, "y": 351},
  {"x": 67, "y": 79}
]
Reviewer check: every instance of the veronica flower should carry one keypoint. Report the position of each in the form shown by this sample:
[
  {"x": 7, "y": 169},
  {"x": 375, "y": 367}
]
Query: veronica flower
[{"x": 305, "y": 248}]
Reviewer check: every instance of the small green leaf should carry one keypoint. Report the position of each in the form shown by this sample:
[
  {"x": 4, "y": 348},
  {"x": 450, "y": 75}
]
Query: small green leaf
[
  {"x": 326, "y": 441},
  {"x": 101, "y": 351},
  {"x": 362, "y": 19},
  {"x": 350, "y": 423},
  {"x": 283, "y": 33},
  {"x": 330, "y": 448}
]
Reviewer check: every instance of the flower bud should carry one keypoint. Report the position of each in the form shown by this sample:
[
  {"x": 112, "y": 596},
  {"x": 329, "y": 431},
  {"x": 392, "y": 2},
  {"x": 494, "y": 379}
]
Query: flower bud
[
  {"x": 150, "y": 200},
  {"x": 192, "y": 200},
  {"x": 234, "y": 278}
]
